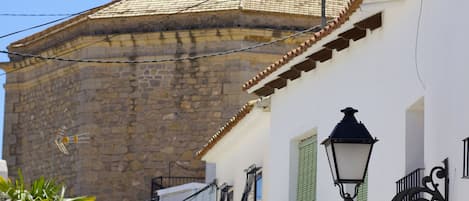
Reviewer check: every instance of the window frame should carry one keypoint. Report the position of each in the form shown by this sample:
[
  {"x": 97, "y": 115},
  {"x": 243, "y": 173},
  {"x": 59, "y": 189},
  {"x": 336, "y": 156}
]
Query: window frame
[
  {"x": 230, "y": 196},
  {"x": 228, "y": 189},
  {"x": 465, "y": 170},
  {"x": 363, "y": 190},
  {"x": 250, "y": 195},
  {"x": 299, "y": 145},
  {"x": 258, "y": 176}
]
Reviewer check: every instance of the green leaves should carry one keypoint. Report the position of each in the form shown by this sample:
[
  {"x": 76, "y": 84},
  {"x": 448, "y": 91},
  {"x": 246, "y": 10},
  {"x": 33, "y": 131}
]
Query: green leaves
[{"x": 41, "y": 190}]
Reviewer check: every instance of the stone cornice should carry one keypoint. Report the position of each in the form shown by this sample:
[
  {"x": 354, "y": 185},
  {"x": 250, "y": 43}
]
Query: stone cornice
[
  {"x": 148, "y": 24},
  {"x": 75, "y": 68},
  {"x": 153, "y": 39}
]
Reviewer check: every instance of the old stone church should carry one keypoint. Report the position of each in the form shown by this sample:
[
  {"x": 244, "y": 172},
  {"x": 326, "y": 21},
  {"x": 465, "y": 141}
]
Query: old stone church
[{"x": 144, "y": 119}]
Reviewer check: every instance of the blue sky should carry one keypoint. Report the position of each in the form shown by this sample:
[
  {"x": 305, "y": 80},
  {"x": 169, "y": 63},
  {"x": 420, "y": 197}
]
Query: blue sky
[{"x": 11, "y": 24}]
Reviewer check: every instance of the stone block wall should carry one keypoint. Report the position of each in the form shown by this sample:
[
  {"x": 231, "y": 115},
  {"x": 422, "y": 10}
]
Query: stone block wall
[{"x": 141, "y": 117}]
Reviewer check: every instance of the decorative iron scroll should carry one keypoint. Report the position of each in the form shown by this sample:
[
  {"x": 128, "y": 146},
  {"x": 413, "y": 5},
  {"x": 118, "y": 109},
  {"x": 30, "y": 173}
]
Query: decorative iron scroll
[{"x": 430, "y": 187}]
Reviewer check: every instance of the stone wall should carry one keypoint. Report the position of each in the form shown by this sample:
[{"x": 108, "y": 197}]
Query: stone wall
[{"x": 140, "y": 116}]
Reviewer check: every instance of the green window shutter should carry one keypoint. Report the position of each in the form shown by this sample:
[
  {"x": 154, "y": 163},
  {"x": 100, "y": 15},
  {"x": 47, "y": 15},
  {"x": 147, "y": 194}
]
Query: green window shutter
[
  {"x": 363, "y": 190},
  {"x": 306, "y": 189}
]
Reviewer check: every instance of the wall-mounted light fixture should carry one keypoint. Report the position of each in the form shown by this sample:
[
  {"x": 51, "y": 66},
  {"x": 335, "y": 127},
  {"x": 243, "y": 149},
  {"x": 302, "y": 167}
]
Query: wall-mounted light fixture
[{"x": 349, "y": 149}]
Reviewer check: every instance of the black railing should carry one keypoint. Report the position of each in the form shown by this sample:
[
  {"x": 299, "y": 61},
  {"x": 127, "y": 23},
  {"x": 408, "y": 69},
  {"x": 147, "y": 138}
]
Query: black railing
[
  {"x": 158, "y": 183},
  {"x": 413, "y": 179}
]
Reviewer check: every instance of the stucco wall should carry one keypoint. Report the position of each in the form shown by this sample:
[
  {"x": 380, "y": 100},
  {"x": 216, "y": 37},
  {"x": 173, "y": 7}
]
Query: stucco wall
[
  {"x": 377, "y": 76},
  {"x": 442, "y": 55},
  {"x": 245, "y": 145}
]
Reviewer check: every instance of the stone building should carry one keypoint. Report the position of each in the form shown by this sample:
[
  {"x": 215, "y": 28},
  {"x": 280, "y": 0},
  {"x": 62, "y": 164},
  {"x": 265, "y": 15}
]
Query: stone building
[{"x": 143, "y": 118}]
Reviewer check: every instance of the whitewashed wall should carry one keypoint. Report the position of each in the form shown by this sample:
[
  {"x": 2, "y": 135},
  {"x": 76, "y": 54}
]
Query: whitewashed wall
[
  {"x": 443, "y": 55},
  {"x": 244, "y": 145},
  {"x": 377, "y": 76},
  {"x": 3, "y": 169}
]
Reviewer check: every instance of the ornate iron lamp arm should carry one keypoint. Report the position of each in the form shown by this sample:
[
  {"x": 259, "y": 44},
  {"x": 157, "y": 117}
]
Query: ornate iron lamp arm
[
  {"x": 429, "y": 187},
  {"x": 346, "y": 196}
]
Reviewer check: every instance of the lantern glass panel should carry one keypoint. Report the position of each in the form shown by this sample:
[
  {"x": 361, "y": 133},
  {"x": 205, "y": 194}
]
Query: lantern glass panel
[
  {"x": 351, "y": 161},
  {"x": 331, "y": 158}
]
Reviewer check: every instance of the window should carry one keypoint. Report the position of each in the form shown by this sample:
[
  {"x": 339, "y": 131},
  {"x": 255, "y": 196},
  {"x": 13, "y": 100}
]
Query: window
[
  {"x": 466, "y": 159},
  {"x": 415, "y": 137},
  {"x": 306, "y": 188},
  {"x": 249, "y": 193},
  {"x": 363, "y": 190},
  {"x": 258, "y": 186},
  {"x": 230, "y": 195},
  {"x": 226, "y": 192}
]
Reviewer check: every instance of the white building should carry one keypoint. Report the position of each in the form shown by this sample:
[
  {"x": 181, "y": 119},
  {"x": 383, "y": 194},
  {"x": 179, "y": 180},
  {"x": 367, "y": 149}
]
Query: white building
[
  {"x": 401, "y": 63},
  {"x": 238, "y": 147}
]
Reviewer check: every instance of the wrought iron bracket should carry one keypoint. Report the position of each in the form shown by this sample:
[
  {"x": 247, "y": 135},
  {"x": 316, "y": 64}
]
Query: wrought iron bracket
[
  {"x": 430, "y": 187},
  {"x": 346, "y": 196}
]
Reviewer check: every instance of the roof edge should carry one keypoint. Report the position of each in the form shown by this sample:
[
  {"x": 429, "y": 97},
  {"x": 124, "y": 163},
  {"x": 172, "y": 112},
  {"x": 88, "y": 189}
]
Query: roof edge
[
  {"x": 58, "y": 27},
  {"x": 226, "y": 128},
  {"x": 344, "y": 16},
  {"x": 5, "y": 66}
]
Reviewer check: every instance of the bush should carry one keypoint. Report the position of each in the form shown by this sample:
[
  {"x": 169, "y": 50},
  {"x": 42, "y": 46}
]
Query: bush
[{"x": 40, "y": 190}]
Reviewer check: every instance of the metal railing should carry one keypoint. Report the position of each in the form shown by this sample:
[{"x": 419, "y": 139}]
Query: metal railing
[
  {"x": 413, "y": 179},
  {"x": 208, "y": 193},
  {"x": 159, "y": 183}
]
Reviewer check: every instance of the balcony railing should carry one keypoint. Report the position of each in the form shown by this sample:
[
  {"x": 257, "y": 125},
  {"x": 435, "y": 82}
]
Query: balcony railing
[
  {"x": 208, "y": 193},
  {"x": 413, "y": 179},
  {"x": 158, "y": 183}
]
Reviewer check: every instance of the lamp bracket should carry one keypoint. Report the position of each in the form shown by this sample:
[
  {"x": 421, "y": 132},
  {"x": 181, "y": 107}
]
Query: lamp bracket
[
  {"x": 429, "y": 187},
  {"x": 346, "y": 196}
]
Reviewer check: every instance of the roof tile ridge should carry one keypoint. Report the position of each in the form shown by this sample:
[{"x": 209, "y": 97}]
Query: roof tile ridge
[
  {"x": 344, "y": 16},
  {"x": 116, "y": 3}
]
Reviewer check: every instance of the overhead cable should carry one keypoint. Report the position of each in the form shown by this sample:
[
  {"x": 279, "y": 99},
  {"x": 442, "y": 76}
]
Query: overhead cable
[
  {"x": 75, "y": 14},
  {"x": 35, "y": 14},
  {"x": 167, "y": 16},
  {"x": 44, "y": 24},
  {"x": 416, "y": 48},
  {"x": 166, "y": 59}
]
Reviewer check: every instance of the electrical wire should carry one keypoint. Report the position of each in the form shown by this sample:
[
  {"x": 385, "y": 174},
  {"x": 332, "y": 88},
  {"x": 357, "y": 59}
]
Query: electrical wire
[
  {"x": 44, "y": 24},
  {"x": 75, "y": 14},
  {"x": 417, "y": 36},
  {"x": 314, "y": 28},
  {"x": 106, "y": 38},
  {"x": 163, "y": 60},
  {"x": 35, "y": 15}
]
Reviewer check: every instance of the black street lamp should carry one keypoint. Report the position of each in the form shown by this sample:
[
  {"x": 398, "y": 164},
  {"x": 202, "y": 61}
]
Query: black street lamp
[{"x": 348, "y": 150}]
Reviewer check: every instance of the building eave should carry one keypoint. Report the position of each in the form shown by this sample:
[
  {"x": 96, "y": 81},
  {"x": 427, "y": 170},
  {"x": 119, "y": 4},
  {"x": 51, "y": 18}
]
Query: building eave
[
  {"x": 303, "y": 59},
  {"x": 226, "y": 128},
  {"x": 344, "y": 16}
]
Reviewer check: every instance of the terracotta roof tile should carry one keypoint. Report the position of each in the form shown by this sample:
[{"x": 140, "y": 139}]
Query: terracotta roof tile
[
  {"x": 57, "y": 27},
  {"x": 342, "y": 41},
  {"x": 329, "y": 28},
  {"x": 127, "y": 8},
  {"x": 245, "y": 109}
]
